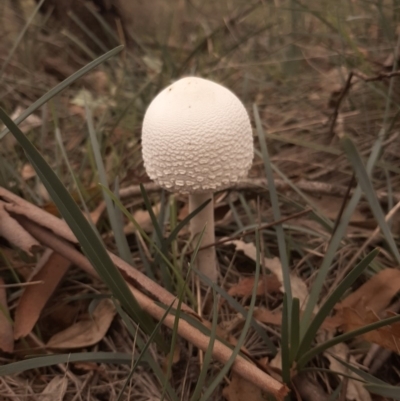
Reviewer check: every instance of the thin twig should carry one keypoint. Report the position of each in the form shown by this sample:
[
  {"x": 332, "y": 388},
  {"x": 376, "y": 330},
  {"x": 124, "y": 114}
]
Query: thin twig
[
  {"x": 261, "y": 184},
  {"x": 380, "y": 77}
]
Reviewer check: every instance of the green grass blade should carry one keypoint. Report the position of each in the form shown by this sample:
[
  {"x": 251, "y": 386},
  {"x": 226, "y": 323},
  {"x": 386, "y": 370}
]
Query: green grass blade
[
  {"x": 49, "y": 360},
  {"x": 91, "y": 244},
  {"x": 239, "y": 308},
  {"x": 137, "y": 226},
  {"x": 344, "y": 337},
  {"x": 336, "y": 239},
  {"x": 19, "y": 38},
  {"x": 87, "y": 31},
  {"x": 359, "y": 372},
  {"x": 366, "y": 185},
  {"x": 392, "y": 392},
  {"x": 285, "y": 341},
  {"x": 148, "y": 357},
  {"x": 119, "y": 235},
  {"x": 218, "y": 379},
  {"x": 332, "y": 300},
  {"x": 143, "y": 351},
  {"x": 294, "y": 329},
  {"x": 184, "y": 222},
  {"x": 62, "y": 85},
  {"x": 160, "y": 241},
  {"x": 275, "y": 209},
  {"x": 208, "y": 354},
  {"x": 71, "y": 172}
]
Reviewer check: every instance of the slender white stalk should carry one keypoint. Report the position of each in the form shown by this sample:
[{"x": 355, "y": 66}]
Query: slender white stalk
[{"x": 206, "y": 260}]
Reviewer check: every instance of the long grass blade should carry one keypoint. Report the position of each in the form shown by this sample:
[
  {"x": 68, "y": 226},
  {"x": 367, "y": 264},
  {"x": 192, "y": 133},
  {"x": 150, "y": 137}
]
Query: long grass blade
[
  {"x": 19, "y": 37},
  {"x": 91, "y": 244},
  {"x": 207, "y": 394},
  {"x": 345, "y": 337},
  {"x": 49, "y": 360},
  {"x": 332, "y": 300},
  {"x": 275, "y": 209},
  {"x": 119, "y": 235},
  {"x": 62, "y": 85},
  {"x": 366, "y": 185}
]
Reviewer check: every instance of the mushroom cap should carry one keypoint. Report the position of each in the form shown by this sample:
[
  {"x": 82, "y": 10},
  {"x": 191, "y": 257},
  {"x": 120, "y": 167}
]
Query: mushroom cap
[{"x": 196, "y": 137}]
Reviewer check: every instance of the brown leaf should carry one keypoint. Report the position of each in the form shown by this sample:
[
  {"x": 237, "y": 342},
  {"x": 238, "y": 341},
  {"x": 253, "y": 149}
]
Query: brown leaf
[
  {"x": 267, "y": 316},
  {"x": 55, "y": 390},
  {"x": 97, "y": 213},
  {"x": 88, "y": 331},
  {"x": 387, "y": 337},
  {"x": 142, "y": 217},
  {"x": 176, "y": 357},
  {"x": 50, "y": 270},
  {"x": 12, "y": 231},
  {"x": 6, "y": 329},
  {"x": 355, "y": 389},
  {"x": 299, "y": 287},
  {"x": 375, "y": 294},
  {"x": 244, "y": 288},
  {"x": 240, "y": 389}
]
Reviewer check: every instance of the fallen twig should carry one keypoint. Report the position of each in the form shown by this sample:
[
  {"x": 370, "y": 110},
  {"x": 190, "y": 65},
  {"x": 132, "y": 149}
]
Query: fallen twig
[{"x": 313, "y": 187}]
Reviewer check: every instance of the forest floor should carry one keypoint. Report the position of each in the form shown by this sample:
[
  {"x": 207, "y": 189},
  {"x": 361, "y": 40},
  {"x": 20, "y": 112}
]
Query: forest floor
[{"x": 321, "y": 89}]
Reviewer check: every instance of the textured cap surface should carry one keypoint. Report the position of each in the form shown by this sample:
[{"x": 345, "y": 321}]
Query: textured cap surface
[{"x": 196, "y": 137}]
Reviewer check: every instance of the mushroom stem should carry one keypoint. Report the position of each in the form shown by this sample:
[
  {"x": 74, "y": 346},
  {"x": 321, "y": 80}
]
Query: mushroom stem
[{"x": 206, "y": 260}]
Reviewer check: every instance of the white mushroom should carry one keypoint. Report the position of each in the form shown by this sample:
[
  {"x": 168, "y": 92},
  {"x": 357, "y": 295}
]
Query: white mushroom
[{"x": 197, "y": 139}]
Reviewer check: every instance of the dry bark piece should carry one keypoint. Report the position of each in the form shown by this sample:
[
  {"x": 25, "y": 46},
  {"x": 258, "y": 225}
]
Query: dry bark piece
[
  {"x": 12, "y": 231},
  {"x": 51, "y": 269},
  {"x": 88, "y": 331},
  {"x": 6, "y": 329}
]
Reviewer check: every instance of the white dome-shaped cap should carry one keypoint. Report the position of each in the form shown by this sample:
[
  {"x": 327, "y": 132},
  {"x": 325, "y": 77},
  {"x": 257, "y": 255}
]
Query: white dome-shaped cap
[{"x": 196, "y": 137}]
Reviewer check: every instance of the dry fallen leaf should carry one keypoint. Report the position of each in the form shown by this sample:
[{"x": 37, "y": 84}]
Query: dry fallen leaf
[
  {"x": 387, "y": 337},
  {"x": 13, "y": 232},
  {"x": 87, "y": 331},
  {"x": 50, "y": 270},
  {"x": 265, "y": 315},
  {"x": 244, "y": 288},
  {"x": 375, "y": 294},
  {"x": 175, "y": 359},
  {"x": 240, "y": 389},
  {"x": 6, "y": 329},
  {"x": 142, "y": 217},
  {"x": 299, "y": 287},
  {"x": 355, "y": 389},
  {"x": 55, "y": 390}
]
